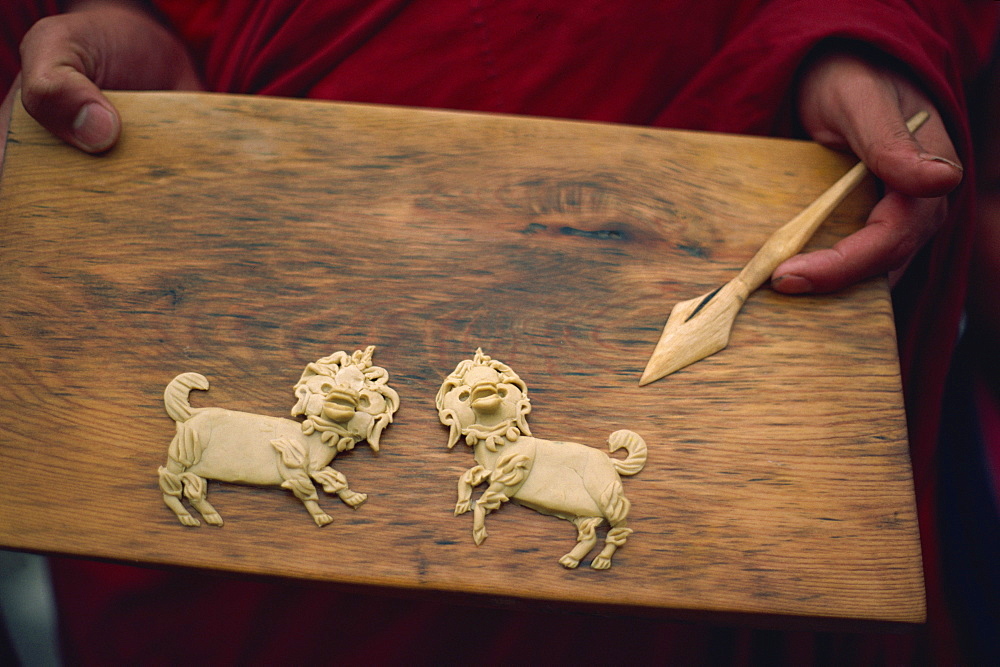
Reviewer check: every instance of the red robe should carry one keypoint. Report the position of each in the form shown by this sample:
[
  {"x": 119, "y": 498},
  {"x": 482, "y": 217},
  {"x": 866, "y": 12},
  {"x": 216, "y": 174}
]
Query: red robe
[{"x": 697, "y": 64}]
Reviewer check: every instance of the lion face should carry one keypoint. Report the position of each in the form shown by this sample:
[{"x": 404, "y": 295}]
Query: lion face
[
  {"x": 484, "y": 400},
  {"x": 345, "y": 395}
]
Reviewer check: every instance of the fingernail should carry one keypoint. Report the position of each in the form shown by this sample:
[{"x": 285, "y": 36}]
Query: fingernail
[
  {"x": 938, "y": 158},
  {"x": 95, "y": 128},
  {"x": 791, "y": 284}
]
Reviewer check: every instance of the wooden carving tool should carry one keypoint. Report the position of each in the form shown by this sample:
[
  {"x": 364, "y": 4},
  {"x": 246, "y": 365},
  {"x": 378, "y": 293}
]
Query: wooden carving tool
[{"x": 700, "y": 327}]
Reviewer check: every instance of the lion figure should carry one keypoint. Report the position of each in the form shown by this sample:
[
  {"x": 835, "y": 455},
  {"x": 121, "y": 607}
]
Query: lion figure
[
  {"x": 342, "y": 400},
  {"x": 486, "y": 402}
]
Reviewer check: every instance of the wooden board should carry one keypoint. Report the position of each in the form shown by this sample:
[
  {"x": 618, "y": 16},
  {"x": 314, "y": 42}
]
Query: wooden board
[{"x": 244, "y": 237}]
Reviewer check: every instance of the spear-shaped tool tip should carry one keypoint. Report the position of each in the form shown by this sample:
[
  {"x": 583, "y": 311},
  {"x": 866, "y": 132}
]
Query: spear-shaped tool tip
[
  {"x": 700, "y": 327},
  {"x": 696, "y": 329}
]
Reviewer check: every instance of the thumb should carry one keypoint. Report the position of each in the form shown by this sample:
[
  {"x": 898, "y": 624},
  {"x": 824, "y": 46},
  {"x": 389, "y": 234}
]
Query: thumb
[
  {"x": 848, "y": 102},
  {"x": 58, "y": 92},
  {"x": 74, "y": 110},
  {"x": 919, "y": 164},
  {"x": 77, "y": 113},
  {"x": 95, "y": 127}
]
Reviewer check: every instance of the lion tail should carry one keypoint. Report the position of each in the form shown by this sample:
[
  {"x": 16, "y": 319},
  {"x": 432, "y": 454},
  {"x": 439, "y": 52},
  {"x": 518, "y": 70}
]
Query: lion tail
[
  {"x": 175, "y": 396},
  {"x": 634, "y": 445}
]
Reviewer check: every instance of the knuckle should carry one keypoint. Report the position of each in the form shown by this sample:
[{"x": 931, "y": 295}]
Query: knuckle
[
  {"x": 887, "y": 140},
  {"x": 48, "y": 32}
]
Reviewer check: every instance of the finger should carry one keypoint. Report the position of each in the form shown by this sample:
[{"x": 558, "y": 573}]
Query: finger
[
  {"x": 897, "y": 228},
  {"x": 58, "y": 92},
  {"x": 921, "y": 164},
  {"x": 848, "y": 102},
  {"x": 70, "y": 106}
]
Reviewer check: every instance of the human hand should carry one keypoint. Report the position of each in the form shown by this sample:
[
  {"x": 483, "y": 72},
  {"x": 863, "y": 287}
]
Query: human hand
[
  {"x": 67, "y": 59},
  {"x": 846, "y": 102}
]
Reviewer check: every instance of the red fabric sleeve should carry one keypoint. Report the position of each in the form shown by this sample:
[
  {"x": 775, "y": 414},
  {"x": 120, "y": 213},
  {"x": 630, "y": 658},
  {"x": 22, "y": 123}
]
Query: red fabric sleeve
[
  {"x": 197, "y": 22},
  {"x": 590, "y": 59}
]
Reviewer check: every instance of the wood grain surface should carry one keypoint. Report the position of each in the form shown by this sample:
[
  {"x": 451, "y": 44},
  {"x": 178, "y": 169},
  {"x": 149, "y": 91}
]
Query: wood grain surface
[{"x": 245, "y": 237}]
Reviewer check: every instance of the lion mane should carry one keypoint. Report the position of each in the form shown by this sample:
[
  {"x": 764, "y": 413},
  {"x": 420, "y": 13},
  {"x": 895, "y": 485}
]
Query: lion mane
[{"x": 342, "y": 374}]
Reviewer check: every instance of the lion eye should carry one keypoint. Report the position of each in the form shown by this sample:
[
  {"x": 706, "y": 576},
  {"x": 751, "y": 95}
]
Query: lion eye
[
  {"x": 464, "y": 396},
  {"x": 364, "y": 402},
  {"x": 326, "y": 388},
  {"x": 502, "y": 392}
]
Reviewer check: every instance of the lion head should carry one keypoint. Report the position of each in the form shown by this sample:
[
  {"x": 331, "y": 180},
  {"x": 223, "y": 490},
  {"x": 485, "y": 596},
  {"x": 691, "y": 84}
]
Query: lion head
[
  {"x": 344, "y": 396},
  {"x": 484, "y": 400}
]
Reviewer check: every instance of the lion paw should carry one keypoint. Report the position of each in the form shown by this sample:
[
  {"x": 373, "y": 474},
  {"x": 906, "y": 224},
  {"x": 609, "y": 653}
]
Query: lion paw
[
  {"x": 478, "y": 535},
  {"x": 601, "y": 563},
  {"x": 188, "y": 520},
  {"x": 353, "y": 499},
  {"x": 322, "y": 519},
  {"x": 213, "y": 519},
  {"x": 569, "y": 562},
  {"x": 462, "y": 507}
]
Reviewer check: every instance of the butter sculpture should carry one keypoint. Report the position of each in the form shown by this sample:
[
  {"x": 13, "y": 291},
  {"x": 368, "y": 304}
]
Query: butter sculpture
[
  {"x": 487, "y": 403},
  {"x": 343, "y": 399}
]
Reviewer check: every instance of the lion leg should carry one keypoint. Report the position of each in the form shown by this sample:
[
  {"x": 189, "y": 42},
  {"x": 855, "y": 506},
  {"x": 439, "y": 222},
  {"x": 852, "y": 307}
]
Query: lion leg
[
  {"x": 493, "y": 497},
  {"x": 293, "y": 468},
  {"x": 196, "y": 491},
  {"x": 586, "y": 536},
  {"x": 334, "y": 481},
  {"x": 320, "y": 517},
  {"x": 615, "y": 506},
  {"x": 505, "y": 479},
  {"x": 469, "y": 480},
  {"x": 616, "y": 538},
  {"x": 172, "y": 487},
  {"x": 303, "y": 489}
]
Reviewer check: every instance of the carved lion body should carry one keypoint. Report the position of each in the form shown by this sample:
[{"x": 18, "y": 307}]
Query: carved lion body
[
  {"x": 568, "y": 460},
  {"x": 241, "y": 448},
  {"x": 487, "y": 403},
  {"x": 344, "y": 399}
]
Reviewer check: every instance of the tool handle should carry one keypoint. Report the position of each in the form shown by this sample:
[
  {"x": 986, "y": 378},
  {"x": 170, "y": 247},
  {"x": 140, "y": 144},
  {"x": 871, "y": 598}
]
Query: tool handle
[{"x": 790, "y": 238}]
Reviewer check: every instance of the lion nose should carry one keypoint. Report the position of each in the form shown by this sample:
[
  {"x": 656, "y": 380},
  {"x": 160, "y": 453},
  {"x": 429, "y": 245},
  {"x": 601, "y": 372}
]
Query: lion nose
[
  {"x": 340, "y": 405},
  {"x": 485, "y": 397}
]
